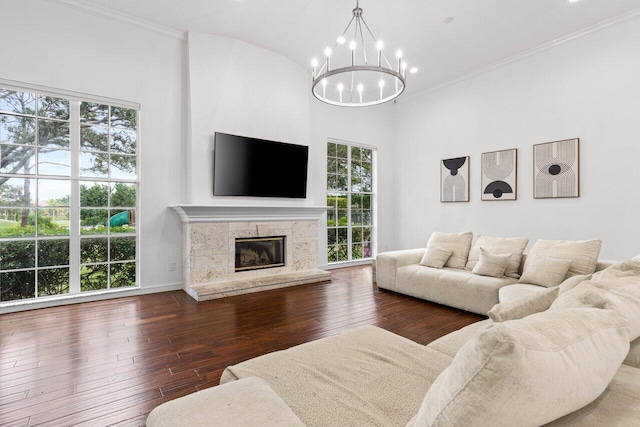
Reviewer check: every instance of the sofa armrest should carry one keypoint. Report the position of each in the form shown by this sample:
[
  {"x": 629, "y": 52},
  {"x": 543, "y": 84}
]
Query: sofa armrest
[
  {"x": 246, "y": 402},
  {"x": 387, "y": 264}
]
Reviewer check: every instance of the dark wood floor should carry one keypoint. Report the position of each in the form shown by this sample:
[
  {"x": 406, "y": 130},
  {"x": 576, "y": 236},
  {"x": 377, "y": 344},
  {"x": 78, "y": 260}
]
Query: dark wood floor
[{"x": 112, "y": 362}]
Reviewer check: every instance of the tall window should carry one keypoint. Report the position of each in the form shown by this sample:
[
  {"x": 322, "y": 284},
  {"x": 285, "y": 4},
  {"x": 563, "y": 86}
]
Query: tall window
[
  {"x": 68, "y": 196},
  {"x": 350, "y": 200}
]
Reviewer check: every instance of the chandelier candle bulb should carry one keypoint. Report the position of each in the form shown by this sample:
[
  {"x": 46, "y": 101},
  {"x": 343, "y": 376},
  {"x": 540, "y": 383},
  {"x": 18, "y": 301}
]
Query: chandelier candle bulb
[
  {"x": 360, "y": 89},
  {"x": 379, "y": 46},
  {"x": 327, "y": 52},
  {"x": 314, "y": 64}
]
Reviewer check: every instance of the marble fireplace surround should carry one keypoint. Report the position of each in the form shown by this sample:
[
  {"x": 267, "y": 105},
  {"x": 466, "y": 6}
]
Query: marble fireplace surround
[{"x": 208, "y": 248}]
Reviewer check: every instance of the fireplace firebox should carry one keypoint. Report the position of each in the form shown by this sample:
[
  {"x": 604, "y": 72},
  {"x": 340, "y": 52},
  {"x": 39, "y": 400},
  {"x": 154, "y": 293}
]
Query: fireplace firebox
[{"x": 253, "y": 253}]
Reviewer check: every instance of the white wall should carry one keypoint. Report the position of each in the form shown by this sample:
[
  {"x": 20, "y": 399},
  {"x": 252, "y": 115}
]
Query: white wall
[
  {"x": 61, "y": 48},
  {"x": 586, "y": 88},
  {"x": 238, "y": 88},
  {"x": 241, "y": 89}
]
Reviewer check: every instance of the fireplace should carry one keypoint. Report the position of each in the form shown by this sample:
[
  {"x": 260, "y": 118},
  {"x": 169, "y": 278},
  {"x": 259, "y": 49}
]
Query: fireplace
[{"x": 254, "y": 253}]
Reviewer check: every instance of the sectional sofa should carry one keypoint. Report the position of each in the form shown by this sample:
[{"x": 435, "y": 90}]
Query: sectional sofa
[
  {"x": 458, "y": 280},
  {"x": 566, "y": 355},
  {"x": 568, "y": 365}
]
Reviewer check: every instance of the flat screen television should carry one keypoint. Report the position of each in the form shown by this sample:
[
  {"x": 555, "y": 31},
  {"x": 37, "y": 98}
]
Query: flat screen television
[{"x": 255, "y": 167}]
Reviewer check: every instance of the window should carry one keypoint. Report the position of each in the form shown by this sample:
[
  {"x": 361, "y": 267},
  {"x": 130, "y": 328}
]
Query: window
[
  {"x": 350, "y": 200},
  {"x": 68, "y": 195}
]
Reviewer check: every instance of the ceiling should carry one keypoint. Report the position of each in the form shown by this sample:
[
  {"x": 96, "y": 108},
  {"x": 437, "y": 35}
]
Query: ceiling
[{"x": 480, "y": 34}]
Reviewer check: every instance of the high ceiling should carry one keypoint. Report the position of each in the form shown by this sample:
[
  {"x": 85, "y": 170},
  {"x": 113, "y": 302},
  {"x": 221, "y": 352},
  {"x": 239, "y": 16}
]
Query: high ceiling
[{"x": 481, "y": 32}]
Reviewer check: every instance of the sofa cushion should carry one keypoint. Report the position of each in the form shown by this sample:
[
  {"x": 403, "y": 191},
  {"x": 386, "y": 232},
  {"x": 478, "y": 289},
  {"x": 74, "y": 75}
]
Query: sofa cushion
[
  {"x": 458, "y": 243},
  {"x": 249, "y": 402},
  {"x": 629, "y": 268},
  {"x": 518, "y": 290},
  {"x": 573, "y": 281},
  {"x": 544, "y": 271},
  {"x": 435, "y": 257},
  {"x": 491, "y": 265},
  {"x": 346, "y": 379},
  {"x": 499, "y": 245},
  {"x": 633, "y": 358},
  {"x": 586, "y": 295},
  {"x": 524, "y": 306},
  {"x": 451, "y": 286},
  {"x": 618, "y": 405},
  {"x": 528, "y": 371},
  {"x": 621, "y": 294},
  {"x": 583, "y": 254},
  {"x": 453, "y": 341}
]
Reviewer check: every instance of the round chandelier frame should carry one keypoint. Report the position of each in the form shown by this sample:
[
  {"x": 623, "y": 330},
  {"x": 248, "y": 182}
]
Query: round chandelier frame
[{"x": 383, "y": 82}]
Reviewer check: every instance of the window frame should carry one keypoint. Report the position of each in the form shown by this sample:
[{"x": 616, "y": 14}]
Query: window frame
[
  {"x": 75, "y": 179},
  {"x": 350, "y": 193}
]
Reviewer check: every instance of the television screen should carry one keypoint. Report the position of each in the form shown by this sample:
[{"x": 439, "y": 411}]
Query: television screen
[{"x": 258, "y": 168}]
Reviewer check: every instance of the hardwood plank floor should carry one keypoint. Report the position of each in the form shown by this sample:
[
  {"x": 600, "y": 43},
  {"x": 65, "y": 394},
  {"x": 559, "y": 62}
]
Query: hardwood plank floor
[{"x": 111, "y": 362}]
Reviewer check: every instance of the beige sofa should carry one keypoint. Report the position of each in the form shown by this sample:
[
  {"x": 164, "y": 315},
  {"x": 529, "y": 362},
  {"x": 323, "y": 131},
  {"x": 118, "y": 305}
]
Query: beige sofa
[
  {"x": 563, "y": 356},
  {"x": 400, "y": 272},
  {"x": 368, "y": 377},
  {"x": 456, "y": 284}
]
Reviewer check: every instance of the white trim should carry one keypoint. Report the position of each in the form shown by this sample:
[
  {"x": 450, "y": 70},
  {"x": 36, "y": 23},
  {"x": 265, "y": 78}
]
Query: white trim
[
  {"x": 344, "y": 264},
  {"x": 123, "y": 17},
  {"x": 198, "y": 213},
  {"x": 351, "y": 143},
  {"x": 32, "y": 304},
  {"x": 68, "y": 94},
  {"x": 628, "y": 16}
]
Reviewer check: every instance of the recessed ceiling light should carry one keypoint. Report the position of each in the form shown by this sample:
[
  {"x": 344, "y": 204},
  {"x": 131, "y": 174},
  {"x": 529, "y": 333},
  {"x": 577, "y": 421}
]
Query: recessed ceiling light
[
  {"x": 449, "y": 19},
  {"x": 573, "y": 1}
]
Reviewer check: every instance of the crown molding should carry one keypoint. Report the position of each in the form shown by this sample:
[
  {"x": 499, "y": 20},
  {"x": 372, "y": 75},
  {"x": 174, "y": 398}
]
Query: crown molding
[
  {"x": 119, "y": 16},
  {"x": 628, "y": 16}
]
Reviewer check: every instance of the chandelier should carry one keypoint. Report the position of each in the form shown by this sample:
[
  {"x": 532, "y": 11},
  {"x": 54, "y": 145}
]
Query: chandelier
[{"x": 361, "y": 79}]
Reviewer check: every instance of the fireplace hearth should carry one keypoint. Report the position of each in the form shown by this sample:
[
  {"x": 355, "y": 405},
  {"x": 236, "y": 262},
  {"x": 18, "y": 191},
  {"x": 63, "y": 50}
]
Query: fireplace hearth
[{"x": 254, "y": 253}]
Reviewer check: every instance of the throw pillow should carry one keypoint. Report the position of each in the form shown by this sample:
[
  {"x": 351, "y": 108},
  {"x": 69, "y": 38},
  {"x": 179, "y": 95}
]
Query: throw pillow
[
  {"x": 573, "y": 281},
  {"x": 583, "y": 254},
  {"x": 491, "y": 265},
  {"x": 499, "y": 245},
  {"x": 621, "y": 295},
  {"x": 585, "y": 295},
  {"x": 525, "y": 306},
  {"x": 458, "y": 243},
  {"x": 633, "y": 358},
  {"x": 543, "y": 271},
  {"x": 529, "y": 371},
  {"x": 629, "y": 268},
  {"x": 435, "y": 257}
]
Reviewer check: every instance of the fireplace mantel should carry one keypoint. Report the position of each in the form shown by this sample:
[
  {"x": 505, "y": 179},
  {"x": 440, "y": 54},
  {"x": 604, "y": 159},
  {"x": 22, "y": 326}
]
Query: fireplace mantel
[{"x": 202, "y": 213}]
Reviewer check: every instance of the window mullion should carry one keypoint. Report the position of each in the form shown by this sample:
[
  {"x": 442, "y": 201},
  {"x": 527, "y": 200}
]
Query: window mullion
[
  {"x": 74, "y": 200},
  {"x": 349, "y": 254}
]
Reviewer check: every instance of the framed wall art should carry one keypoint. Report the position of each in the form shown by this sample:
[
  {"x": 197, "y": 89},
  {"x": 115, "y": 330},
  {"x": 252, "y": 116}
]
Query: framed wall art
[
  {"x": 556, "y": 169},
  {"x": 454, "y": 179},
  {"x": 499, "y": 177}
]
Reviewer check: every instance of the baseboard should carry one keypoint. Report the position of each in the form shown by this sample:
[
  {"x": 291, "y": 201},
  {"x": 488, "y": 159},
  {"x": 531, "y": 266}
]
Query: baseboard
[
  {"x": 344, "y": 264},
  {"x": 77, "y": 299}
]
